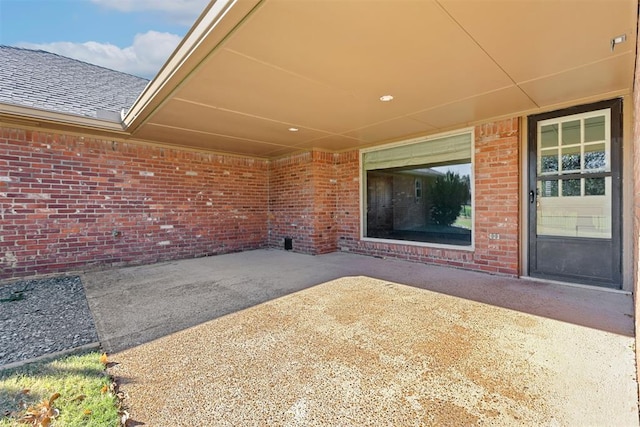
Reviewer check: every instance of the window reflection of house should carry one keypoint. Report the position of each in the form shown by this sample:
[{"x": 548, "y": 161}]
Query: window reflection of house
[
  {"x": 398, "y": 200},
  {"x": 399, "y": 207}
]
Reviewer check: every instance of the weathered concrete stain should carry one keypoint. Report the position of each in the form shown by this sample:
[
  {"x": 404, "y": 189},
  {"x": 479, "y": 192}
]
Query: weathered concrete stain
[{"x": 354, "y": 351}]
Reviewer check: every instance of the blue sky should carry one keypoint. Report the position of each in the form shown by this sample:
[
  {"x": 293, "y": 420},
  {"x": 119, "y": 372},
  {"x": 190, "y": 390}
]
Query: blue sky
[{"x": 133, "y": 36}]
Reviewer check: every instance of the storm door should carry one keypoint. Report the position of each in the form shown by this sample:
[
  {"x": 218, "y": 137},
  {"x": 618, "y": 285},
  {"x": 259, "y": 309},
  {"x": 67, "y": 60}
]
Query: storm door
[{"x": 574, "y": 194}]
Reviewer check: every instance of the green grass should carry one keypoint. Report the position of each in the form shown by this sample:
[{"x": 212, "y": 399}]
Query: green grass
[
  {"x": 464, "y": 220},
  {"x": 71, "y": 376}
]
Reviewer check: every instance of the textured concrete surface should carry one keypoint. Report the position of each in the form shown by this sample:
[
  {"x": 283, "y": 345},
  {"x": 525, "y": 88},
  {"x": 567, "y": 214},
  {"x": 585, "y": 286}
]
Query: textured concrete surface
[{"x": 272, "y": 339}]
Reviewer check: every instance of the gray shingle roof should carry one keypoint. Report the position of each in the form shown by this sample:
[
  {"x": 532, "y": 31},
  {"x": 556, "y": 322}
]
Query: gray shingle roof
[{"x": 44, "y": 80}]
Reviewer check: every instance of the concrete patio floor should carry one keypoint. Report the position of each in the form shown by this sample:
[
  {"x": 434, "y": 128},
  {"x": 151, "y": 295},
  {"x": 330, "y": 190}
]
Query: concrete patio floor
[{"x": 270, "y": 337}]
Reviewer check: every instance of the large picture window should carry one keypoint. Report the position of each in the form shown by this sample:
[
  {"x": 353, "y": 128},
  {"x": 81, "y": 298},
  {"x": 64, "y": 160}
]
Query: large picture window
[{"x": 420, "y": 191}]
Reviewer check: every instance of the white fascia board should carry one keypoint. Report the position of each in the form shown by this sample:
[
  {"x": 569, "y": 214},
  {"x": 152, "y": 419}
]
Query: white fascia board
[{"x": 207, "y": 22}]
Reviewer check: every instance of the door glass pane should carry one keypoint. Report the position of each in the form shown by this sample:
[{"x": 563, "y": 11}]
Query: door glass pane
[
  {"x": 595, "y": 158},
  {"x": 570, "y": 187},
  {"x": 549, "y": 161},
  {"x": 571, "y": 159},
  {"x": 594, "y": 187},
  {"x": 575, "y": 216},
  {"x": 549, "y": 136},
  {"x": 594, "y": 129},
  {"x": 571, "y": 132},
  {"x": 580, "y": 205}
]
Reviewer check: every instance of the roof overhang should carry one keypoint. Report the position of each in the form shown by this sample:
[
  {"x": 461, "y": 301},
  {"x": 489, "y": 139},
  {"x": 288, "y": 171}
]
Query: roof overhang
[
  {"x": 215, "y": 23},
  {"x": 35, "y": 117},
  {"x": 266, "y": 78}
]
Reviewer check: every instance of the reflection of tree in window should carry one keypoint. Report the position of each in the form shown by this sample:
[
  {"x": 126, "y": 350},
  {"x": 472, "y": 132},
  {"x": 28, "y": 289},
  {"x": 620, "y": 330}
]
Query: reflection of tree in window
[
  {"x": 594, "y": 187},
  {"x": 449, "y": 193},
  {"x": 550, "y": 163},
  {"x": 420, "y": 192},
  {"x": 571, "y": 159},
  {"x": 571, "y": 187},
  {"x": 438, "y": 211},
  {"x": 594, "y": 160}
]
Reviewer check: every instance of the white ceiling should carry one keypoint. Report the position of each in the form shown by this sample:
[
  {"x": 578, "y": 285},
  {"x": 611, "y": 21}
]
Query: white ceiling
[{"x": 321, "y": 66}]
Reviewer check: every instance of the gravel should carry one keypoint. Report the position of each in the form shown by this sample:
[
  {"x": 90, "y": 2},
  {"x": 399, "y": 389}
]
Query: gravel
[{"x": 43, "y": 316}]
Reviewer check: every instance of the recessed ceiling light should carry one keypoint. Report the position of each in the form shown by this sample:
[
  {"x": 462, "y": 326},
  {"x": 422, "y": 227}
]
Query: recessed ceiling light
[
  {"x": 293, "y": 129},
  {"x": 386, "y": 98}
]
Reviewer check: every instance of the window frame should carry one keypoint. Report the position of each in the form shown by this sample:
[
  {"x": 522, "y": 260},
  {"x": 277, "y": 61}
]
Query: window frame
[{"x": 418, "y": 140}]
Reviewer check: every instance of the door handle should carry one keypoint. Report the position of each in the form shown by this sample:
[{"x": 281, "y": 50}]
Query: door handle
[{"x": 532, "y": 196}]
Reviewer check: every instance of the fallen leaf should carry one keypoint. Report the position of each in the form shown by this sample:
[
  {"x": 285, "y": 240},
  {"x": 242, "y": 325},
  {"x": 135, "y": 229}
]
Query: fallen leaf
[
  {"x": 79, "y": 398},
  {"x": 104, "y": 359},
  {"x": 45, "y": 404},
  {"x": 87, "y": 412},
  {"x": 104, "y": 389}
]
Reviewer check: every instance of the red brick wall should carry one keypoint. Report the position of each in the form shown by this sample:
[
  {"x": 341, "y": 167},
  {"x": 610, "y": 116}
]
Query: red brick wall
[
  {"x": 496, "y": 207},
  {"x": 497, "y": 196},
  {"x": 291, "y": 202},
  {"x": 302, "y": 202},
  {"x": 324, "y": 184},
  {"x": 62, "y": 196},
  {"x": 348, "y": 200}
]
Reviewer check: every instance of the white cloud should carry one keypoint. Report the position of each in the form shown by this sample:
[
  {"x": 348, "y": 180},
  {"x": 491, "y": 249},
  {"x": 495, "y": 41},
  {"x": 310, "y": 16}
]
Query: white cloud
[
  {"x": 183, "y": 12},
  {"x": 144, "y": 57}
]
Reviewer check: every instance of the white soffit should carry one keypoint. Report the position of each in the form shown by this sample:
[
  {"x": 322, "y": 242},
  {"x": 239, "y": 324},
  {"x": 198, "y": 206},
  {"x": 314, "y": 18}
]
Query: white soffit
[{"x": 250, "y": 70}]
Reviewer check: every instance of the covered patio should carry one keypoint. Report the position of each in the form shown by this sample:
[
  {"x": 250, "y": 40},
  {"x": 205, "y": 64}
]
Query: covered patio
[
  {"x": 315, "y": 136},
  {"x": 274, "y": 337}
]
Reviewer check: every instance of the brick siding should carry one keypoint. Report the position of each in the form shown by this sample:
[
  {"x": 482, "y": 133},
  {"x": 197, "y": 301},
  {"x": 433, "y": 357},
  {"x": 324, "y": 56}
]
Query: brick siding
[
  {"x": 496, "y": 208},
  {"x": 324, "y": 203},
  {"x": 62, "y": 198},
  {"x": 497, "y": 196},
  {"x": 302, "y": 202},
  {"x": 348, "y": 200},
  {"x": 291, "y": 202}
]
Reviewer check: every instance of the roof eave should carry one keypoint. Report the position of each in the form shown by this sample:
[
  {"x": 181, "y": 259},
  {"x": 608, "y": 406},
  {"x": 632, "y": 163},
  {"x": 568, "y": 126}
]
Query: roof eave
[
  {"x": 36, "y": 117},
  {"x": 195, "y": 46}
]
